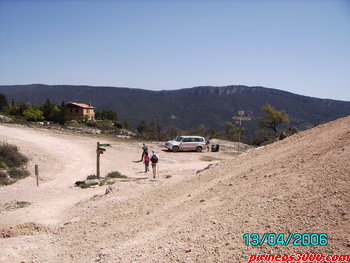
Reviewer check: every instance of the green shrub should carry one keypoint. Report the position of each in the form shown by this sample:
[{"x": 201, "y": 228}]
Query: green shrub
[
  {"x": 33, "y": 114},
  {"x": 17, "y": 173},
  {"x": 4, "y": 180},
  {"x": 115, "y": 174},
  {"x": 118, "y": 124},
  {"x": 12, "y": 162},
  {"x": 10, "y": 156},
  {"x": 90, "y": 177},
  {"x": 209, "y": 158}
]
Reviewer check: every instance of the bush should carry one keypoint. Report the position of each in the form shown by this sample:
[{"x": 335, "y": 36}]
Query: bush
[
  {"x": 10, "y": 156},
  {"x": 4, "y": 179},
  {"x": 118, "y": 124},
  {"x": 292, "y": 130},
  {"x": 33, "y": 114},
  {"x": 11, "y": 161},
  {"x": 17, "y": 173},
  {"x": 106, "y": 115},
  {"x": 115, "y": 174},
  {"x": 90, "y": 177}
]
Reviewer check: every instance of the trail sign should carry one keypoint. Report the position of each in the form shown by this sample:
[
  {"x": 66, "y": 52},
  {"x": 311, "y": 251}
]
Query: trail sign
[
  {"x": 239, "y": 120},
  {"x": 99, "y": 151}
]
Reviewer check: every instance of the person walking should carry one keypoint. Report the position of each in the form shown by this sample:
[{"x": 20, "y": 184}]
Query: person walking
[
  {"x": 146, "y": 163},
  {"x": 144, "y": 151},
  {"x": 154, "y": 160}
]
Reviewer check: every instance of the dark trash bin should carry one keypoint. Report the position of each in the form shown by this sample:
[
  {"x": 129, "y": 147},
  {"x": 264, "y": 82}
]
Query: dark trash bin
[{"x": 215, "y": 147}]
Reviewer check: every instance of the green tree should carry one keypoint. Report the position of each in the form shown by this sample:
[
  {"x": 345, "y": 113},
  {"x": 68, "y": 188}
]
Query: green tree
[
  {"x": 232, "y": 132},
  {"x": 33, "y": 113},
  {"x": 157, "y": 130},
  {"x": 273, "y": 117},
  {"x": 3, "y": 102},
  {"x": 229, "y": 130},
  {"x": 173, "y": 132},
  {"x": 17, "y": 110},
  {"x": 50, "y": 111},
  {"x": 126, "y": 125},
  {"x": 203, "y": 131},
  {"x": 62, "y": 114},
  {"x": 142, "y": 127},
  {"x": 154, "y": 130},
  {"x": 106, "y": 115}
]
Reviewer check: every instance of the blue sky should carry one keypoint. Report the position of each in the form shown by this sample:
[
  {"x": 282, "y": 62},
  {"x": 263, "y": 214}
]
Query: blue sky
[{"x": 301, "y": 46}]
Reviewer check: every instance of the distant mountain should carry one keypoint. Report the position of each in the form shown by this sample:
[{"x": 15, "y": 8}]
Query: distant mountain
[{"x": 186, "y": 108}]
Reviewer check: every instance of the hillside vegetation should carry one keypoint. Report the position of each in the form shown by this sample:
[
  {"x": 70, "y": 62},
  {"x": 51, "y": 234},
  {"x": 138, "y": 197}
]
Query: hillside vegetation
[{"x": 187, "y": 108}]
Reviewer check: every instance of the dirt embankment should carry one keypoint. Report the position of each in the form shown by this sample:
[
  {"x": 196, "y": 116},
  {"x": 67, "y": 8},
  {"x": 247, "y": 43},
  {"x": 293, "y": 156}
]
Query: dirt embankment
[{"x": 298, "y": 185}]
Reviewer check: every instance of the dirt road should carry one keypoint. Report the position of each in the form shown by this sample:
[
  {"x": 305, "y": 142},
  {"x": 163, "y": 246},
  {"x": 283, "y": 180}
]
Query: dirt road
[{"x": 65, "y": 158}]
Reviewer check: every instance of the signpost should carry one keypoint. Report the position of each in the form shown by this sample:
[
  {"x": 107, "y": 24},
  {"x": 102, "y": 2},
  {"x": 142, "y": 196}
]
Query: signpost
[
  {"x": 37, "y": 174},
  {"x": 239, "y": 120},
  {"x": 100, "y": 150}
]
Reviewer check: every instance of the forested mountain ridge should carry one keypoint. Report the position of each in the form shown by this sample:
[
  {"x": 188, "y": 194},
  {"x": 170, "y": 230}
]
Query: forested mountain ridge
[{"x": 186, "y": 108}]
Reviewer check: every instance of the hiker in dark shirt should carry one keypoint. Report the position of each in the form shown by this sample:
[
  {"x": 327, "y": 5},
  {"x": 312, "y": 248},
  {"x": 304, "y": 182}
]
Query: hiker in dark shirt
[{"x": 144, "y": 151}]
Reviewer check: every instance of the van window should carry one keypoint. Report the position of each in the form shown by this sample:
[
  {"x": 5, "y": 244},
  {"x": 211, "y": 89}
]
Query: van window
[{"x": 179, "y": 139}]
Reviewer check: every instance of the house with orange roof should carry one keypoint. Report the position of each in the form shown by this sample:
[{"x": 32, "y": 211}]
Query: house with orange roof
[{"x": 80, "y": 111}]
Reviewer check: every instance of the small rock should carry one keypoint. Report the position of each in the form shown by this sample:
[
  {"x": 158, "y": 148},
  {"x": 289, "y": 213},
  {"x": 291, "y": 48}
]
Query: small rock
[
  {"x": 91, "y": 182},
  {"x": 110, "y": 190},
  {"x": 5, "y": 119}
]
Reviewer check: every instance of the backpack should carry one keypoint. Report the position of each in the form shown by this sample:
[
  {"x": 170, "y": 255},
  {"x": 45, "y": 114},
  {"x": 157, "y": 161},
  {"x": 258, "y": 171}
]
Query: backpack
[
  {"x": 145, "y": 149},
  {"x": 146, "y": 159},
  {"x": 154, "y": 158}
]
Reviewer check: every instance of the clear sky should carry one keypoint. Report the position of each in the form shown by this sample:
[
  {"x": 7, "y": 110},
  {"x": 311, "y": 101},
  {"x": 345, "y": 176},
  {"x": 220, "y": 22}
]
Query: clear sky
[{"x": 301, "y": 46}]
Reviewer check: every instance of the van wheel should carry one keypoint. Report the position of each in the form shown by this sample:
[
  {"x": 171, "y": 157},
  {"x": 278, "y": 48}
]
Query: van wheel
[
  {"x": 175, "y": 149},
  {"x": 199, "y": 149}
]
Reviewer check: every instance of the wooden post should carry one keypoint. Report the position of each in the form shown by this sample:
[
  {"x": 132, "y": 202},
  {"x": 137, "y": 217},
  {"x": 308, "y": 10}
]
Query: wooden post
[
  {"x": 239, "y": 120},
  {"x": 98, "y": 160},
  {"x": 37, "y": 174}
]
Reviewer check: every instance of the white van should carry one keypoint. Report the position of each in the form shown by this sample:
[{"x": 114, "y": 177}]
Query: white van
[{"x": 187, "y": 143}]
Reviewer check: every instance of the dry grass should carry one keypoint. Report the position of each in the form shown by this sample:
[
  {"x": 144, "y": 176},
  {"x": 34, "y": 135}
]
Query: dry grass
[
  {"x": 209, "y": 158},
  {"x": 13, "y": 205}
]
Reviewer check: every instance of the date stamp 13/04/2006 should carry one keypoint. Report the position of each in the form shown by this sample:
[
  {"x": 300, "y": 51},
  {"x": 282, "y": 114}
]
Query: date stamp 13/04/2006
[{"x": 273, "y": 239}]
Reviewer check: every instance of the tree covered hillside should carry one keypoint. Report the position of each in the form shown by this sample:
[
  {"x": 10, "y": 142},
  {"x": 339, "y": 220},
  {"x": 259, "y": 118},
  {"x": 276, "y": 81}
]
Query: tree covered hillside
[{"x": 187, "y": 108}]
